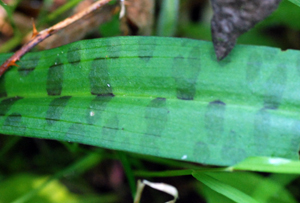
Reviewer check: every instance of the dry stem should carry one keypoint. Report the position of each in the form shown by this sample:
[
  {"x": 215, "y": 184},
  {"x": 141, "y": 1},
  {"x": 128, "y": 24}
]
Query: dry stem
[{"x": 40, "y": 36}]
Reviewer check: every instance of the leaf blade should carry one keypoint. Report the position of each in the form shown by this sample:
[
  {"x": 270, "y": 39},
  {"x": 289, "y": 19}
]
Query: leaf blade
[{"x": 166, "y": 97}]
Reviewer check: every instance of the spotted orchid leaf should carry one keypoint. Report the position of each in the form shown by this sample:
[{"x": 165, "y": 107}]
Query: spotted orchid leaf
[{"x": 166, "y": 97}]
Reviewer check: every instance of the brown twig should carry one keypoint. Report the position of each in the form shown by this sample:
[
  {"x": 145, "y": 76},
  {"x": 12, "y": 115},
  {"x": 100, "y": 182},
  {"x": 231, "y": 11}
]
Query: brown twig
[{"x": 40, "y": 36}]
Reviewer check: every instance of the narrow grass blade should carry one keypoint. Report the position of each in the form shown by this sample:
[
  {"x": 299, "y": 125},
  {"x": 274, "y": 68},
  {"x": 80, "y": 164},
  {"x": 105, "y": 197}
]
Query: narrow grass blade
[
  {"x": 267, "y": 164},
  {"x": 224, "y": 189},
  {"x": 168, "y": 17}
]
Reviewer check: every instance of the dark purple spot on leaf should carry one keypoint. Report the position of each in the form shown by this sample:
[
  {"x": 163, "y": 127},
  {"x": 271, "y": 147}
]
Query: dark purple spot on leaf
[
  {"x": 55, "y": 78},
  {"x": 76, "y": 132},
  {"x": 3, "y": 92},
  {"x": 298, "y": 65},
  {"x": 231, "y": 151},
  {"x": 111, "y": 128},
  {"x": 214, "y": 120},
  {"x": 201, "y": 152},
  {"x": 25, "y": 71},
  {"x": 275, "y": 87},
  {"x": 28, "y": 64},
  {"x": 254, "y": 65},
  {"x": 146, "y": 50},
  {"x": 233, "y": 155},
  {"x": 295, "y": 139},
  {"x": 13, "y": 123},
  {"x": 114, "y": 48},
  {"x": 185, "y": 72},
  {"x": 96, "y": 108},
  {"x": 261, "y": 131},
  {"x": 156, "y": 117},
  {"x": 56, "y": 109},
  {"x": 99, "y": 77},
  {"x": 6, "y": 104},
  {"x": 74, "y": 54}
]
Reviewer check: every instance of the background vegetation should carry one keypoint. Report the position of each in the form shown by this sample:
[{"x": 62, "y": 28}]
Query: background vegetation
[{"x": 35, "y": 170}]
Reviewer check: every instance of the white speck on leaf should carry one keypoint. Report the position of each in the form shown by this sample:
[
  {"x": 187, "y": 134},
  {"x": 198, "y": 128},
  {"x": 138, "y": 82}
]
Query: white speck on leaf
[
  {"x": 55, "y": 63},
  {"x": 92, "y": 113},
  {"x": 108, "y": 85},
  {"x": 278, "y": 161},
  {"x": 184, "y": 157}
]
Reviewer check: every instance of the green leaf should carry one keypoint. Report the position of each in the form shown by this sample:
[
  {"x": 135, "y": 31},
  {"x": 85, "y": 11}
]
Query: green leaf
[
  {"x": 273, "y": 185},
  {"x": 167, "y": 97},
  {"x": 34, "y": 189},
  {"x": 167, "y": 21},
  {"x": 286, "y": 14},
  {"x": 268, "y": 164},
  {"x": 20, "y": 184},
  {"x": 60, "y": 11},
  {"x": 297, "y": 2},
  {"x": 224, "y": 189},
  {"x": 261, "y": 188}
]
